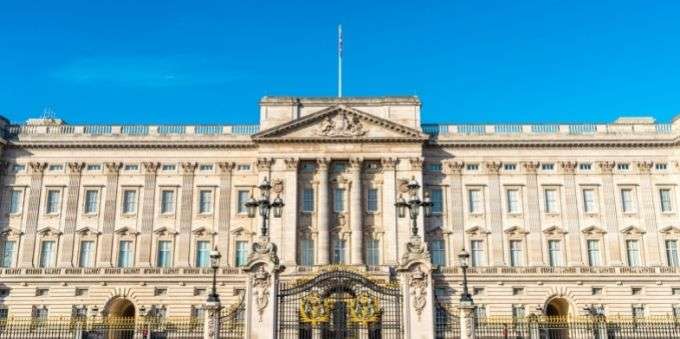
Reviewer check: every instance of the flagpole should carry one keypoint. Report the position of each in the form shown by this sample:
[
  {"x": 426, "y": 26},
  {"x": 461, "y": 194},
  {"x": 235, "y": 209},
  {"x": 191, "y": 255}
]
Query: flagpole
[{"x": 340, "y": 42}]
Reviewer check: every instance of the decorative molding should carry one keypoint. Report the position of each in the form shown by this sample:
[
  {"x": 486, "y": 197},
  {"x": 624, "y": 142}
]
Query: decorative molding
[
  {"x": 355, "y": 164},
  {"x": 261, "y": 283},
  {"x": 37, "y": 167},
  {"x": 75, "y": 167},
  {"x": 341, "y": 124},
  {"x": 416, "y": 163},
  {"x": 606, "y": 167},
  {"x": 554, "y": 231},
  {"x": 291, "y": 163},
  {"x": 493, "y": 167},
  {"x": 323, "y": 163},
  {"x": 226, "y": 167},
  {"x": 264, "y": 164},
  {"x": 418, "y": 281},
  {"x": 188, "y": 168},
  {"x": 388, "y": 163},
  {"x": 568, "y": 167},
  {"x": 151, "y": 167},
  {"x": 112, "y": 167},
  {"x": 531, "y": 167},
  {"x": 645, "y": 166},
  {"x": 633, "y": 230},
  {"x": 453, "y": 167},
  {"x": 593, "y": 231}
]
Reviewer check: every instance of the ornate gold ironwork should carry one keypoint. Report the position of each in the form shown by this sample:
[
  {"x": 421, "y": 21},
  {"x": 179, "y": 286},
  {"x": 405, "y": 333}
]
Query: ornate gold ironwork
[
  {"x": 364, "y": 309},
  {"x": 315, "y": 311}
]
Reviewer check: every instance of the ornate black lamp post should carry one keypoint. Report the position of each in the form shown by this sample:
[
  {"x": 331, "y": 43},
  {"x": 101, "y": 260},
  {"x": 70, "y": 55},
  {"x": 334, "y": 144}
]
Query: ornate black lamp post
[
  {"x": 413, "y": 204},
  {"x": 265, "y": 205},
  {"x": 465, "y": 297},
  {"x": 214, "y": 264}
]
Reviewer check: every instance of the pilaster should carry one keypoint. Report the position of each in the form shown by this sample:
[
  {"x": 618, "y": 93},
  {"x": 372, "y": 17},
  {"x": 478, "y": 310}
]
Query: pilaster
[
  {"x": 74, "y": 170},
  {"x": 289, "y": 242},
  {"x": 356, "y": 255},
  {"x": 323, "y": 215},
  {"x": 534, "y": 250},
  {"x": 36, "y": 170},
  {"x": 454, "y": 176},
  {"x": 495, "y": 214},
  {"x": 389, "y": 166},
  {"x": 610, "y": 217},
  {"x": 186, "y": 213},
  {"x": 570, "y": 216},
  {"x": 105, "y": 252},
  {"x": 224, "y": 213},
  {"x": 653, "y": 253},
  {"x": 148, "y": 210}
]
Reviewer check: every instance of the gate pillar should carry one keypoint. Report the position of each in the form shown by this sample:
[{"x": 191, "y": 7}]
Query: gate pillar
[
  {"x": 415, "y": 277},
  {"x": 262, "y": 290}
]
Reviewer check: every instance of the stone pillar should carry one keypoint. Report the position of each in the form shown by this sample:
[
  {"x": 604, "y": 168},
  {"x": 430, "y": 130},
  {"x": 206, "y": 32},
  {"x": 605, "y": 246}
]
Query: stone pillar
[
  {"x": 467, "y": 321},
  {"x": 289, "y": 243},
  {"x": 74, "y": 170},
  {"x": 186, "y": 213},
  {"x": 453, "y": 171},
  {"x": 415, "y": 276},
  {"x": 36, "y": 170},
  {"x": 533, "y": 213},
  {"x": 261, "y": 290},
  {"x": 224, "y": 212},
  {"x": 389, "y": 211},
  {"x": 570, "y": 215},
  {"x": 356, "y": 255},
  {"x": 211, "y": 324},
  {"x": 323, "y": 215},
  {"x": 647, "y": 191},
  {"x": 496, "y": 257},
  {"x": 148, "y": 211},
  {"x": 105, "y": 252},
  {"x": 610, "y": 217}
]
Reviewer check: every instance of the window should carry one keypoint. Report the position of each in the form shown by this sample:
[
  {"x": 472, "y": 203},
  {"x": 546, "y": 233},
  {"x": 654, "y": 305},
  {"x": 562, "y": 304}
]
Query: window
[
  {"x": 164, "y": 258},
  {"x": 338, "y": 200},
  {"x": 672, "y": 253},
  {"x": 19, "y": 168},
  {"x": 125, "y": 253},
  {"x": 199, "y": 291},
  {"x": 622, "y": 167},
  {"x": 4, "y": 313},
  {"x": 675, "y": 291},
  {"x": 372, "y": 200},
  {"x": 39, "y": 292},
  {"x": 7, "y": 253},
  {"x": 131, "y": 167},
  {"x": 205, "y": 167},
  {"x": 339, "y": 167},
  {"x": 665, "y": 198},
  {"x": 243, "y": 167},
  {"x": 638, "y": 311},
  {"x": 307, "y": 252},
  {"x": 94, "y": 167},
  {"x": 15, "y": 201},
  {"x": 593, "y": 252},
  {"x": 661, "y": 166},
  {"x": 480, "y": 312},
  {"x": 633, "y": 252},
  {"x": 80, "y": 292},
  {"x": 167, "y": 201},
  {"x": 517, "y": 290},
  {"x": 475, "y": 201},
  {"x": 202, "y": 253},
  {"x": 129, "y": 201},
  {"x": 437, "y": 200},
  {"x": 478, "y": 291},
  {"x": 627, "y": 200},
  {"x": 168, "y": 167},
  {"x": 197, "y": 312},
  {"x": 477, "y": 253},
  {"x": 372, "y": 254},
  {"x": 551, "y": 201},
  {"x": 589, "y": 201},
  {"x": 4, "y": 292},
  {"x": 636, "y": 291},
  {"x": 509, "y": 167},
  {"x": 241, "y": 254},
  {"x": 47, "y": 253},
  {"x": 596, "y": 291},
  {"x": 438, "y": 252},
  {"x": 513, "y": 201},
  {"x": 40, "y": 313},
  {"x": 53, "y": 201},
  {"x": 86, "y": 258},
  {"x": 585, "y": 166},
  {"x": 205, "y": 202},
  {"x": 308, "y": 200},
  {"x": 518, "y": 311},
  {"x": 515, "y": 253},
  {"x": 547, "y": 167},
  {"x": 55, "y": 168},
  {"x": 242, "y": 199},
  {"x": 434, "y": 167},
  {"x": 308, "y": 167},
  {"x": 91, "y": 201},
  {"x": 160, "y": 291},
  {"x": 676, "y": 312},
  {"x": 339, "y": 251},
  {"x": 472, "y": 167},
  {"x": 554, "y": 253}
]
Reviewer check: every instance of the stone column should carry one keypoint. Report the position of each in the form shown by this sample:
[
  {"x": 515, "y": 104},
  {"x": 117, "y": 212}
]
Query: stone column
[
  {"x": 495, "y": 215},
  {"x": 323, "y": 214},
  {"x": 211, "y": 323},
  {"x": 186, "y": 213},
  {"x": 105, "y": 253},
  {"x": 570, "y": 215},
  {"x": 389, "y": 211},
  {"x": 224, "y": 212},
  {"x": 74, "y": 170},
  {"x": 533, "y": 226},
  {"x": 648, "y": 210},
  {"x": 148, "y": 214},
  {"x": 415, "y": 276},
  {"x": 467, "y": 321},
  {"x": 356, "y": 255},
  {"x": 36, "y": 170},
  {"x": 610, "y": 217},
  {"x": 453, "y": 171},
  {"x": 261, "y": 290},
  {"x": 289, "y": 243}
]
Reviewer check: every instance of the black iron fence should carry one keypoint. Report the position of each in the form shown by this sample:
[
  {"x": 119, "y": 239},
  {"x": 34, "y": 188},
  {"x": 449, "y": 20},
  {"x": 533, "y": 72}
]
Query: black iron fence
[
  {"x": 446, "y": 322},
  {"x": 232, "y": 321}
]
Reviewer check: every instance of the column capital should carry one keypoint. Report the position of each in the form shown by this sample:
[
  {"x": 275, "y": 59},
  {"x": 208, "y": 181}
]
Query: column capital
[
  {"x": 453, "y": 167},
  {"x": 188, "y": 167},
  {"x": 225, "y": 167},
  {"x": 531, "y": 166},
  {"x": 291, "y": 163},
  {"x": 568, "y": 167},
  {"x": 150, "y": 167},
  {"x": 416, "y": 163},
  {"x": 355, "y": 163},
  {"x": 37, "y": 167},
  {"x": 606, "y": 166},
  {"x": 264, "y": 164},
  {"x": 493, "y": 167},
  {"x": 645, "y": 166},
  {"x": 112, "y": 167},
  {"x": 323, "y": 163},
  {"x": 389, "y": 163}
]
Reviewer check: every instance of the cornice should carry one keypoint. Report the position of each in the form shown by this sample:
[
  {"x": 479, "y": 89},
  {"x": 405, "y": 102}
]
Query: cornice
[
  {"x": 591, "y": 143},
  {"x": 132, "y": 144}
]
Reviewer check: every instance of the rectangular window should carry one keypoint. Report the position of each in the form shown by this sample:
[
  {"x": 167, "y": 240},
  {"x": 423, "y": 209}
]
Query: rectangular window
[
  {"x": 585, "y": 166},
  {"x": 672, "y": 253},
  {"x": 593, "y": 252},
  {"x": 475, "y": 201},
  {"x": 168, "y": 167},
  {"x": 205, "y": 167},
  {"x": 372, "y": 252},
  {"x": 434, "y": 167},
  {"x": 513, "y": 201},
  {"x": 47, "y": 253},
  {"x": 243, "y": 196},
  {"x": 129, "y": 201},
  {"x": 661, "y": 166},
  {"x": 480, "y": 312},
  {"x": 509, "y": 167},
  {"x": 665, "y": 198},
  {"x": 243, "y": 167},
  {"x": 589, "y": 201},
  {"x": 372, "y": 200},
  {"x": 477, "y": 253},
  {"x": 307, "y": 252},
  {"x": 547, "y": 167},
  {"x": 167, "y": 201},
  {"x": 55, "y": 168},
  {"x": 339, "y": 167},
  {"x": 241, "y": 254},
  {"x": 308, "y": 167},
  {"x": 438, "y": 252},
  {"x": 7, "y": 253},
  {"x": 130, "y": 168},
  {"x": 638, "y": 311},
  {"x": 472, "y": 167},
  {"x": 91, "y": 201},
  {"x": 94, "y": 167},
  {"x": 339, "y": 200},
  {"x": 633, "y": 252},
  {"x": 4, "y": 313},
  {"x": 202, "y": 253},
  {"x": 622, "y": 167},
  {"x": 627, "y": 200},
  {"x": 437, "y": 200},
  {"x": 19, "y": 168},
  {"x": 205, "y": 202},
  {"x": 308, "y": 200},
  {"x": 551, "y": 202},
  {"x": 125, "y": 253},
  {"x": 676, "y": 312},
  {"x": 339, "y": 251},
  {"x": 554, "y": 253},
  {"x": 518, "y": 311},
  {"x": 164, "y": 258},
  {"x": 15, "y": 201},
  {"x": 86, "y": 258},
  {"x": 515, "y": 253},
  {"x": 53, "y": 201}
]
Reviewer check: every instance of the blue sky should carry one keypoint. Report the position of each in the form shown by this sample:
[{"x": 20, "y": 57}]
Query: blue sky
[{"x": 127, "y": 61}]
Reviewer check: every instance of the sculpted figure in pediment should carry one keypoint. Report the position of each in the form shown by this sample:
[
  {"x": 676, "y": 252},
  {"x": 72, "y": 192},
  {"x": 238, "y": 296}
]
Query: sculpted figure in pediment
[{"x": 341, "y": 125}]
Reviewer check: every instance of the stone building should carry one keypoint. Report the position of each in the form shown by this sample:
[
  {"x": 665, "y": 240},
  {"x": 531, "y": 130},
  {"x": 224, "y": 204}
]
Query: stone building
[{"x": 557, "y": 217}]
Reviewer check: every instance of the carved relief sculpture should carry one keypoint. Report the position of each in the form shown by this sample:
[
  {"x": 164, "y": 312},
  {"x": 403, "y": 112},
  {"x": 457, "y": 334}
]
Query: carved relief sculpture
[{"x": 341, "y": 125}]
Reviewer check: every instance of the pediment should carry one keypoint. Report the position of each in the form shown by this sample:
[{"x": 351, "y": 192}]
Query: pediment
[
  {"x": 10, "y": 232},
  {"x": 630, "y": 230},
  {"x": 49, "y": 231},
  {"x": 593, "y": 230},
  {"x": 202, "y": 231},
  {"x": 165, "y": 231},
  {"x": 126, "y": 231},
  {"x": 340, "y": 123},
  {"x": 668, "y": 230},
  {"x": 554, "y": 230},
  {"x": 87, "y": 231},
  {"x": 516, "y": 230},
  {"x": 477, "y": 230}
]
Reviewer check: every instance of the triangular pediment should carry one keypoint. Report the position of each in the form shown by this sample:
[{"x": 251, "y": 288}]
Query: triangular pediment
[
  {"x": 340, "y": 123},
  {"x": 631, "y": 230}
]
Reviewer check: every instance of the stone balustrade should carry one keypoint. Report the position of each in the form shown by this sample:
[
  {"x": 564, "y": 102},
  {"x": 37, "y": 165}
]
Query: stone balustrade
[
  {"x": 580, "y": 270},
  {"x": 548, "y": 129},
  {"x": 73, "y": 271},
  {"x": 14, "y": 131}
]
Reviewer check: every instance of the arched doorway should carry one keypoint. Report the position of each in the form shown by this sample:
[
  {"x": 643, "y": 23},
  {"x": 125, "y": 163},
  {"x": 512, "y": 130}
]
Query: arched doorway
[
  {"x": 121, "y": 313},
  {"x": 558, "y": 327},
  {"x": 557, "y": 307}
]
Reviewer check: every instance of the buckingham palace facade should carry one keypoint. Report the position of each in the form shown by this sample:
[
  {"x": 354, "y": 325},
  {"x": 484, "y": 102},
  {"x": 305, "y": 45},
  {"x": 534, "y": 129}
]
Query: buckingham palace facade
[{"x": 557, "y": 217}]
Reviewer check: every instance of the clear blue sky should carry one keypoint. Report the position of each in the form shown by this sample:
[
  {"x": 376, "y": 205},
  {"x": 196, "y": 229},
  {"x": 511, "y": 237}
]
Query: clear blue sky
[{"x": 169, "y": 61}]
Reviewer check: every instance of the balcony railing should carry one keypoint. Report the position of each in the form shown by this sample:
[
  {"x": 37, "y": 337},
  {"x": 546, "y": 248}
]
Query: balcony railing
[
  {"x": 543, "y": 129},
  {"x": 14, "y": 131}
]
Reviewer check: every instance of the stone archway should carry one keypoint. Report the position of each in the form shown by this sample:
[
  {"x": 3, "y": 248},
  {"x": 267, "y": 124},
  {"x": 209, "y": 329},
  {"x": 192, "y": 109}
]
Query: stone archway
[
  {"x": 557, "y": 307},
  {"x": 122, "y": 312},
  {"x": 120, "y": 308}
]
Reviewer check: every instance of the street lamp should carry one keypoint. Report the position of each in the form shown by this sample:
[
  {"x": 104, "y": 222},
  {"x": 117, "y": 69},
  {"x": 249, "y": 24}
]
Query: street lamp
[
  {"x": 413, "y": 204},
  {"x": 265, "y": 205},
  {"x": 214, "y": 264},
  {"x": 465, "y": 297}
]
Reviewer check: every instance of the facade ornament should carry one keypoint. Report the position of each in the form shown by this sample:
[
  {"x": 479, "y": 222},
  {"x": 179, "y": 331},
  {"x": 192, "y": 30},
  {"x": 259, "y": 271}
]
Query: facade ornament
[
  {"x": 355, "y": 163},
  {"x": 112, "y": 167},
  {"x": 606, "y": 166},
  {"x": 416, "y": 163},
  {"x": 37, "y": 167},
  {"x": 263, "y": 250},
  {"x": 531, "y": 166},
  {"x": 264, "y": 164},
  {"x": 341, "y": 125},
  {"x": 364, "y": 309},
  {"x": 315, "y": 311},
  {"x": 453, "y": 167},
  {"x": 226, "y": 166},
  {"x": 569, "y": 167},
  {"x": 389, "y": 163},
  {"x": 418, "y": 283},
  {"x": 323, "y": 163},
  {"x": 291, "y": 163},
  {"x": 277, "y": 186},
  {"x": 416, "y": 250},
  {"x": 261, "y": 283},
  {"x": 189, "y": 167},
  {"x": 151, "y": 167},
  {"x": 493, "y": 167},
  {"x": 645, "y": 166}
]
